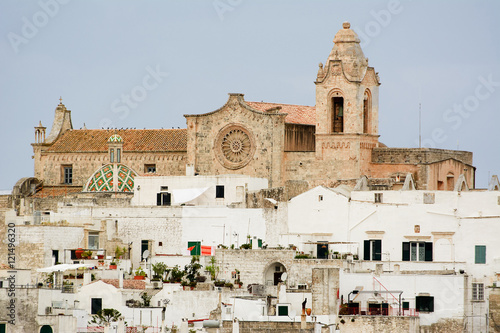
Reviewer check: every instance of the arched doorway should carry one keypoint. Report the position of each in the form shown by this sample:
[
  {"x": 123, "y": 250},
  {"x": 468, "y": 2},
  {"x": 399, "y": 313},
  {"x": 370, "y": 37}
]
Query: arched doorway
[
  {"x": 46, "y": 329},
  {"x": 273, "y": 273}
]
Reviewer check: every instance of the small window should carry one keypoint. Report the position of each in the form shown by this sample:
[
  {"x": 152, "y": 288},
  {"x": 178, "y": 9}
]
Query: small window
[
  {"x": 373, "y": 249},
  {"x": 429, "y": 198},
  {"x": 160, "y": 243},
  {"x": 151, "y": 168},
  {"x": 480, "y": 254},
  {"x": 194, "y": 248},
  {"x": 219, "y": 191},
  {"x": 163, "y": 199},
  {"x": 320, "y": 198},
  {"x": 93, "y": 240},
  {"x": 378, "y": 197},
  {"x": 112, "y": 155},
  {"x": 417, "y": 251},
  {"x": 163, "y": 188},
  {"x": 67, "y": 174},
  {"x": 424, "y": 303},
  {"x": 118, "y": 155},
  {"x": 282, "y": 310},
  {"x": 478, "y": 291},
  {"x": 96, "y": 305},
  {"x": 406, "y": 305}
]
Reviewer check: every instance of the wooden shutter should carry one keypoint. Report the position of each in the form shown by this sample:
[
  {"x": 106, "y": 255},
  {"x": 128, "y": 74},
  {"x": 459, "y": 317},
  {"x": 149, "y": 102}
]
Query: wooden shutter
[
  {"x": 366, "y": 249},
  {"x": 158, "y": 199},
  {"x": 377, "y": 249},
  {"x": 428, "y": 251},
  {"x": 480, "y": 254},
  {"x": 406, "y": 251}
]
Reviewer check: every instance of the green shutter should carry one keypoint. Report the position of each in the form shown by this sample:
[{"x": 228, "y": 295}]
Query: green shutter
[
  {"x": 259, "y": 242},
  {"x": 196, "y": 251},
  {"x": 428, "y": 251},
  {"x": 2, "y": 328},
  {"x": 282, "y": 310},
  {"x": 480, "y": 254},
  {"x": 406, "y": 251}
]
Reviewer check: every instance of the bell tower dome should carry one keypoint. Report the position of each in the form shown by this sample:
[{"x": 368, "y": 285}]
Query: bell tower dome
[{"x": 346, "y": 104}]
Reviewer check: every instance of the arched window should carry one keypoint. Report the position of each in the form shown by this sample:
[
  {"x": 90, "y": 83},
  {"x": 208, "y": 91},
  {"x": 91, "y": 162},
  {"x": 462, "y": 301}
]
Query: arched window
[
  {"x": 367, "y": 104},
  {"x": 273, "y": 273},
  {"x": 337, "y": 114}
]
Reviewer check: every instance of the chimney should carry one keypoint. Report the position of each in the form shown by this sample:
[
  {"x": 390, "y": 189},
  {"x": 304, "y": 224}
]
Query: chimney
[{"x": 120, "y": 278}]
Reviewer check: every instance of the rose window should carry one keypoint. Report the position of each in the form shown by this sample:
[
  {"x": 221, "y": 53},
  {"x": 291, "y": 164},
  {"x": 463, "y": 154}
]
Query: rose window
[{"x": 234, "y": 147}]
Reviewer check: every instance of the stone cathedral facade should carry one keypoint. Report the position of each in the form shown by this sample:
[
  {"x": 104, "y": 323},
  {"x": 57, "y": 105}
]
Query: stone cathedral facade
[{"x": 334, "y": 142}]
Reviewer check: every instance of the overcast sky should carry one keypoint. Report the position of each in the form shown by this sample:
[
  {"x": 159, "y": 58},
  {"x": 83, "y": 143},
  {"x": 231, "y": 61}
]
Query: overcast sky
[{"x": 444, "y": 54}]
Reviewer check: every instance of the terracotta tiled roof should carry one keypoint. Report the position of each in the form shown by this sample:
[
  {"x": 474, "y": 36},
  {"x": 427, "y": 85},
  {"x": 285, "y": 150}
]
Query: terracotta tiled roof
[
  {"x": 297, "y": 114},
  {"x": 127, "y": 284},
  {"x": 133, "y": 140},
  {"x": 56, "y": 191}
]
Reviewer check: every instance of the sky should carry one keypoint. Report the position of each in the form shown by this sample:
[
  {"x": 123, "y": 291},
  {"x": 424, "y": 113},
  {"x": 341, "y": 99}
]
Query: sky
[{"x": 100, "y": 56}]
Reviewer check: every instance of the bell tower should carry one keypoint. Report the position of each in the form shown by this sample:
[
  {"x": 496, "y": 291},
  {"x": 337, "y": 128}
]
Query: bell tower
[{"x": 346, "y": 108}]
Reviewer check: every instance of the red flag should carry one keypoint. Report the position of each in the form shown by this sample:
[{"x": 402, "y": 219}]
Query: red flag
[{"x": 191, "y": 248}]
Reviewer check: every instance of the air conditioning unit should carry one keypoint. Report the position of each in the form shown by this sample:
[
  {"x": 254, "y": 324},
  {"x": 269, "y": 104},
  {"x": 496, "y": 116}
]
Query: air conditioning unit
[
  {"x": 258, "y": 289},
  {"x": 157, "y": 285},
  {"x": 48, "y": 310}
]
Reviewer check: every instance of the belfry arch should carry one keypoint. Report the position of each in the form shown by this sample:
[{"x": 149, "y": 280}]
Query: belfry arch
[
  {"x": 336, "y": 111},
  {"x": 367, "y": 106}
]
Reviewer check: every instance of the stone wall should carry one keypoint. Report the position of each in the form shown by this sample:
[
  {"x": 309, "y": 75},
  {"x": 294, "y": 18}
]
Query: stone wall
[
  {"x": 253, "y": 264},
  {"x": 379, "y": 324},
  {"x": 447, "y": 325},
  {"x": 264, "y": 143},
  {"x": 268, "y": 327},
  {"x": 418, "y": 155},
  {"x": 325, "y": 286},
  {"x": 494, "y": 315},
  {"x": 86, "y": 163},
  {"x": 26, "y": 309}
]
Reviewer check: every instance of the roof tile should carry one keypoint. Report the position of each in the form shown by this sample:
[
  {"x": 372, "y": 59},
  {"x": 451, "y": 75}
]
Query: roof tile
[
  {"x": 297, "y": 114},
  {"x": 96, "y": 140}
]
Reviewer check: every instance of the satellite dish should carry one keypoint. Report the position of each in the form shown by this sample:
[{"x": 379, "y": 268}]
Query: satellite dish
[
  {"x": 284, "y": 276},
  {"x": 145, "y": 254}
]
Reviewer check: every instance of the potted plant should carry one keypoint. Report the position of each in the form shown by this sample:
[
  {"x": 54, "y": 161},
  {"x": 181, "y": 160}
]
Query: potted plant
[
  {"x": 78, "y": 253},
  {"x": 112, "y": 265},
  {"x": 158, "y": 269},
  {"x": 87, "y": 254},
  {"x": 140, "y": 274},
  {"x": 120, "y": 251},
  {"x": 176, "y": 275}
]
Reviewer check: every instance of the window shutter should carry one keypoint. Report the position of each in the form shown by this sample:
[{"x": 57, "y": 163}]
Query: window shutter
[
  {"x": 428, "y": 251},
  {"x": 377, "y": 250},
  {"x": 406, "y": 251},
  {"x": 158, "y": 199},
  {"x": 480, "y": 254},
  {"x": 366, "y": 255},
  {"x": 167, "y": 199}
]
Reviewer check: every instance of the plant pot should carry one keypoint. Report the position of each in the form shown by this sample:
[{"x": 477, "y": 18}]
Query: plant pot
[
  {"x": 114, "y": 267},
  {"x": 78, "y": 253},
  {"x": 100, "y": 257},
  {"x": 139, "y": 277}
]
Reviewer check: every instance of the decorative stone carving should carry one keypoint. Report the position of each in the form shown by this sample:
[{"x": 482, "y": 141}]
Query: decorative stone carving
[{"x": 234, "y": 146}]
